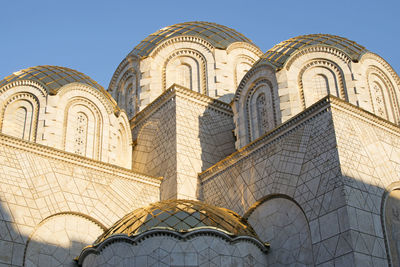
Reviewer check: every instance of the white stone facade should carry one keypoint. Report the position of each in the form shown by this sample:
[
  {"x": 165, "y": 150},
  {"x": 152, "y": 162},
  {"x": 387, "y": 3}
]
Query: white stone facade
[{"x": 302, "y": 142}]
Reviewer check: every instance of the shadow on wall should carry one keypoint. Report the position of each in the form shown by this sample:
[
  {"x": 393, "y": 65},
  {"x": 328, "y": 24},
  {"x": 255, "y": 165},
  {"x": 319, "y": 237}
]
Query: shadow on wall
[
  {"x": 217, "y": 140},
  {"x": 342, "y": 199},
  {"x": 55, "y": 241}
]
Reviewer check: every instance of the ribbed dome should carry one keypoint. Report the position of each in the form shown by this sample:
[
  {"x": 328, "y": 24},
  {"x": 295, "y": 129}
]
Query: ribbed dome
[
  {"x": 180, "y": 215},
  {"x": 218, "y": 35},
  {"x": 52, "y": 77},
  {"x": 278, "y": 55}
]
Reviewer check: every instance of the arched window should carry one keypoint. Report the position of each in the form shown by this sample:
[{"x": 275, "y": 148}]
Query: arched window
[
  {"x": 260, "y": 110},
  {"x": 83, "y": 129},
  {"x": 241, "y": 69},
  {"x": 392, "y": 225},
  {"x": 19, "y": 119},
  {"x": 262, "y": 116}
]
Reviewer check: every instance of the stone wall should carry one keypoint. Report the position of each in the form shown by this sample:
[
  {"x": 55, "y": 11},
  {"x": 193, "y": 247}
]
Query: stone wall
[
  {"x": 179, "y": 135},
  {"x": 42, "y": 187},
  {"x": 335, "y": 161}
]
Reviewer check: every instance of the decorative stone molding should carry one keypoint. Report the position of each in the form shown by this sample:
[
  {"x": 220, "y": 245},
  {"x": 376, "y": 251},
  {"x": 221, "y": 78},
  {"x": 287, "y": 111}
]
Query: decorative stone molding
[
  {"x": 32, "y": 99},
  {"x": 39, "y": 86},
  {"x": 253, "y": 87},
  {"x": 107, "y": 100},
  {"x": 241, "y": 58},
  {"x": 388, "y": 84},
  {"x": 244, "y": 45},
  {"x": 248, "y": 75},
  {"x": 137, "y": 239},
  {"x": 326, "y": 64},
  {"x": 370, "y": 55},
  {"x": 191, "y": 39},
  {"x": 318, "y": 48},
  {"x": 71, "y": 158},
  {"x": 193, "y": 54},
  {"x": 99, "y": 122},
  {"x": 129, "y": 60}
]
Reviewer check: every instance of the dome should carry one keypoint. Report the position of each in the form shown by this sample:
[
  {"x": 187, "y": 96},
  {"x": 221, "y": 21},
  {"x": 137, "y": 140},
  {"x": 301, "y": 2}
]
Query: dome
[
  {"x": 218, "y": 35},
  {"x": 52, "y": 77},
  {"x": 278, "y": 55},
  {"x": 181, "y": 216}
]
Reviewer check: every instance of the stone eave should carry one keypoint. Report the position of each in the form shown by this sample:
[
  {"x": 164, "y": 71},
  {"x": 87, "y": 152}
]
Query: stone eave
[{"x": 60, "y": 155}]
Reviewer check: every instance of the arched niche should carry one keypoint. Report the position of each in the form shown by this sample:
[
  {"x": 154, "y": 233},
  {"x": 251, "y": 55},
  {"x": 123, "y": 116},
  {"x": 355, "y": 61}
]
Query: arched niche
[
  {"x": 260, "y": 109},
  {"x": 127, "y": 95},
  {"x": 82, "y": 128},
  {"x": 319, "y": 78},
  {"x": 382, "y": 96},
  {"x": 279, "y": 220},
  {"x": 60, "y": 238},
  {"x": 19, "y": 116},
  {"x": 186, "y": 68}
]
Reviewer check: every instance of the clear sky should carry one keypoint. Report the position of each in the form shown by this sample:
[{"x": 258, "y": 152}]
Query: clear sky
[{"x": 94, "y": 36}]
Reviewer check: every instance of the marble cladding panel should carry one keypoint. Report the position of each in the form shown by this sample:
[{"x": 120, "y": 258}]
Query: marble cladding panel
[
  {"x": 35, "y": 187},
  {"x": 204, "y": 137},
  {"x": 283, "y": 224},
  {"x": 336, "y": 167},
  {"x": 155, "y": 150}
]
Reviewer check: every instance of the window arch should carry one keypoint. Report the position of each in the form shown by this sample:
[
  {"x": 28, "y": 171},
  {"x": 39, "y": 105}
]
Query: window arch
[
  {"x": 185, "y": 67},
  {"x": 127, "y": 94},
  {"x": 383, "y": 98},
  {"x": 261, "y": 115},
  {"x": 19, "y": 116},
  {"x": 319, "y": 78},
  {"x": 82, "y": 134}
]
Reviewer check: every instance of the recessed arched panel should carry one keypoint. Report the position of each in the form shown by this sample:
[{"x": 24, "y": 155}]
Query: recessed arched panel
[
  {"x": 318, "y": 79},
  {"x": 59, "y": 239},
  {"x": 187, "y": 68},
  {"x": 281, "y": 222},
  {"x": 184, "y": 71},
  {"x": 19, "y": 116},
  {"x": 382, "y": 96},
  {"x": 260, "y": 109},
  {"x": 82, "y": 134}
]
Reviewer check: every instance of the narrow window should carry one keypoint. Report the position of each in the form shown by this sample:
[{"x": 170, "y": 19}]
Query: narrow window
[{"x": 262, "y": 116}]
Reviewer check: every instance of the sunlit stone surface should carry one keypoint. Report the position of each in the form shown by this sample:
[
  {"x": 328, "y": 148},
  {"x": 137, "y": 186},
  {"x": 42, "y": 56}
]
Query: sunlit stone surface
[{"x": 300, "y": 143}]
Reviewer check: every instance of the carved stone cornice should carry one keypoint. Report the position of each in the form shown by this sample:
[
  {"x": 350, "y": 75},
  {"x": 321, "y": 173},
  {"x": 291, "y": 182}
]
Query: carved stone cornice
[
  {"x": 244, "y": 45},
  {"x": 187, "y": 38},
  {"x": 70, "y": 158},
  {"x": 37, "y": 85},
  {"x": 318, "y": 48},
  {"x": 186, "y": 235},
  {"x": 326, "y": 104}
]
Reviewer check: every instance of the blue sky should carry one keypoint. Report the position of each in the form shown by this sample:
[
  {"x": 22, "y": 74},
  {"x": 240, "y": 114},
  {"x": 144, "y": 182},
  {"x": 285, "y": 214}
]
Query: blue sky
[{"x": 94, "y": 36}]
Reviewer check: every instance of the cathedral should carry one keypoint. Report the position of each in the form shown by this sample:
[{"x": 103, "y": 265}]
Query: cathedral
[{"x": 204, "y": 151}]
